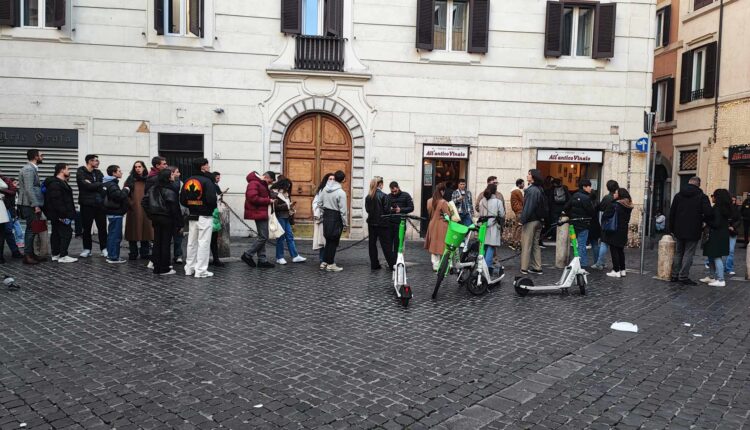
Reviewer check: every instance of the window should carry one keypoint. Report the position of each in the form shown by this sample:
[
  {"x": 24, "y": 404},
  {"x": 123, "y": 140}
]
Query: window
[
  {"x": 41, "y": 13},
  {"x": 659, "y": 28},
  {"x": 451, "y": 25},
  {"x": 578, "y": 31},
  {"x": 661, "y": 101},
  {"x": 183, "y": 17},
  {"x": 181, "y": 150},
  {"x": 663, "y": 18},
  {"x": 697, "y": 4},
  {"x": 698, "y": 74},
  {"x": 312, "y": 11}
]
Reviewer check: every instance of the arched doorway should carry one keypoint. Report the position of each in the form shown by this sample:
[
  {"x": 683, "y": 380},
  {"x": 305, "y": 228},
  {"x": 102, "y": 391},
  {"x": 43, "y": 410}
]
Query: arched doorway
[{"x": 314, "y": 144}]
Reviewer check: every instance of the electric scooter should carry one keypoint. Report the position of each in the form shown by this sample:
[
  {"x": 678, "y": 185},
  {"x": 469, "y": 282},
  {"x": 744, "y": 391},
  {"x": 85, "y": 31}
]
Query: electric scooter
[
  {"x": 479, "y": 278},
  {"x": 573, "y": 273},
  {"x": 400, "y": 283}
]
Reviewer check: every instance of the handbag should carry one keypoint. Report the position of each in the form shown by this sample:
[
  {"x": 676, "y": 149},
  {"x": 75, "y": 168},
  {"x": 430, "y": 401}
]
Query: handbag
[
  {"x": 705, "y": 235},
  {"x": 455, "y": 217},
  {"x": 38, "y": 226},
  {"x": 610, "y": 224},
  {"x": 274, "y": 227}
]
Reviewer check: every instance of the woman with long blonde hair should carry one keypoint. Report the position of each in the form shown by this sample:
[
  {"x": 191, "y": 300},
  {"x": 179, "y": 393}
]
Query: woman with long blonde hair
[{"x": 378, "y": 229}]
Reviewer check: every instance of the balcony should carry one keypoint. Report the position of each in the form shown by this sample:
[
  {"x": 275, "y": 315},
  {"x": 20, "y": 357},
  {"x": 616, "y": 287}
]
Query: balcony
[
  {"x": 696, "y": 95},
  {"x": 322, "y": 53}
]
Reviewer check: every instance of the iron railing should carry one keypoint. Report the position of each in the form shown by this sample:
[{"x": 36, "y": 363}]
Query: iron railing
[
  {"x": 696, "y": 95},
  {"x": 319, "y": 53}
]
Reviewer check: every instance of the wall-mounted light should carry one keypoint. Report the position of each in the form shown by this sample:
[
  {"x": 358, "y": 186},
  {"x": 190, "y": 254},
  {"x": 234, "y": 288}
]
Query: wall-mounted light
[{"x": 219, "y": 110}]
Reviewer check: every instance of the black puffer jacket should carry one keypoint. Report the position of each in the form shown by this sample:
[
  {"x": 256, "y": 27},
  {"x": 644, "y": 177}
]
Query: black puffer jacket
[
  {"x": 580, "y": 206},
  {"x": 58, "y": 199},
  {"x": 116, "y": 196},
  {"x": 90, "y": 187},
  {"x": 690, "y": 208},
  {"x": 175, "y": 218},
  {"x": 404, "y": 201},
  {"x": 376, "y": 207}
]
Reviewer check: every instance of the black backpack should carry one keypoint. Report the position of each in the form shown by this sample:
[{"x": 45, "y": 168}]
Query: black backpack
[
  {"x": 560, "y": 195},
  {"x": 154, "y": 204},
  {"x": 542, "y": 209}
]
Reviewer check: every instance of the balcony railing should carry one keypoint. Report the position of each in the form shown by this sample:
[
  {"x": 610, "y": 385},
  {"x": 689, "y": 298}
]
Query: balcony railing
[
  {"x": 696, "y": 95},
  {"x": 319, "y": 53}
]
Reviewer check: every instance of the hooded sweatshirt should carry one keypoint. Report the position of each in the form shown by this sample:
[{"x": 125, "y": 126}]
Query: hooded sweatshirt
[{"x": 334, "y": 198}]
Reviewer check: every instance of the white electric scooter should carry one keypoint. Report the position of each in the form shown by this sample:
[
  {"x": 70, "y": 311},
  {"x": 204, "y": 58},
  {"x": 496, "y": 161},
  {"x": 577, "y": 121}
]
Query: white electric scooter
[
  {"x": 573, "y": 273},
  {"x": 400, "y": 283}
]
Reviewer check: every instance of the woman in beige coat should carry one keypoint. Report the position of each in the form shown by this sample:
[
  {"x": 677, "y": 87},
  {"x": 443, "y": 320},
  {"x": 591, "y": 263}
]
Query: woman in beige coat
[
  {"x": 434, "y": 241},
  {"x": 319, "y": 242}
]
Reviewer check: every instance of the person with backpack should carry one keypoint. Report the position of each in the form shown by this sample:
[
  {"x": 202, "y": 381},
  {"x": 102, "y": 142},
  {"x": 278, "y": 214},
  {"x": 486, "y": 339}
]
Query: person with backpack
[
  {"x": 535, "y": 211},
  {"x": 558, "y": 196},
  {"x": 581, "y": 209},
  {"x": 163, "y": 207},
  {"x": 90, "y": 198},
  {"x": 60, "y": 210},
  {"x": 116, "y": 205},
  {"x": 378, "y": 229},
  {"x": 615, "y": 226},
  {"x": 138, "y": 229},
  {"x": 335, "y": 218},
  {"x": 198, "y": 194}
]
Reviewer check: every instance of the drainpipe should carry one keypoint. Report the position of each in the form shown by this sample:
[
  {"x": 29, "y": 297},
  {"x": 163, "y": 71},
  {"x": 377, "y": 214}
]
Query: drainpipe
[{"x": 718, "y": 71}]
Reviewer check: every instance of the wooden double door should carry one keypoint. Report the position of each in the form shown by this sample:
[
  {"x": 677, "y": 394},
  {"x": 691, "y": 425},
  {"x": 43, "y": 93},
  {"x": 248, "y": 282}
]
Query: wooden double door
[{"x": 315, "y": 144}]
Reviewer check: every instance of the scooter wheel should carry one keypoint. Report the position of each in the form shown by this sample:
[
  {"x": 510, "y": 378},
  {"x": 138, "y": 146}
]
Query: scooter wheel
[
  {"x": 476, "y": 287},
  {"x": 405, "y": 302},
  {"x": 520, "y": 284},
  {"x": 581, "y": 280}
]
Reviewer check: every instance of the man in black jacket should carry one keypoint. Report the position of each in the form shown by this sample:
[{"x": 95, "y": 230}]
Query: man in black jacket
[
  {"x": 116, "y": 205},
  {"x": 581, "y": 208},
  {"x": 603, "y": 205},
  {"x": 60, "y": 210},
  {"x": 399, "y": 202},
  {"x": 198, "y": 194},
  {"x": 689, "y": 211},
  {"x": 90, "y": 198},
  {"x": 535, "y": 211}
]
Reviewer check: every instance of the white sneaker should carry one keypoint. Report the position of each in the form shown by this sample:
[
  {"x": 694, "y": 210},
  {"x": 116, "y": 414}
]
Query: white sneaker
[
  {"x": 731, "y": 273},
  {"x": 707, "y": 280},
  {"x": 86, "y": 253},
  {"x": 190, "y": 273},
  {"x": 150, "y": 265},
  {"x": 179, "y": 260},
  {"x": 323, "y": 266},
  {"x": 55, "y": 257},
  {"x": 67, "y": 259},
  {"x": 118, "y": 261},
  {"x": 614, "y": 274},
  {"x": 281, "y": 261},
  {"x": 717, "y": 284},
  {"x": 104, "y": 253},
  {"x": 204, "y": 275},
  {"x": 333, "y": 268},
  {"x": 299, "y": 259},
  {"x": 171, "y": 272},
  {"x": 623, "y": 273}
]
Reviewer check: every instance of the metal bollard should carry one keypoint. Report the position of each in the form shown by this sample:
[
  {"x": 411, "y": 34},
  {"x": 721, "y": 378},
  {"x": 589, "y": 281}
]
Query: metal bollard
[
  {"x": 666, "y": 256},
  {"x": 562, "y": 246}
]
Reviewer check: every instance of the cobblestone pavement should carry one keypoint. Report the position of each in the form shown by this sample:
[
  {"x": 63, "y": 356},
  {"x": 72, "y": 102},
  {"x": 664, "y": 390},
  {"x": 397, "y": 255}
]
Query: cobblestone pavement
[{"x": 91, "y": 345}]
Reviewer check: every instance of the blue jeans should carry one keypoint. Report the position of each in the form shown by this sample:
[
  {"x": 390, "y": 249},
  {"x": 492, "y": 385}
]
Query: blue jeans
[
  {"x": 10, "y": 235},
  {"x": 288, "y": 237},
  {"x": 603, "y": 249},
  {"x": 466, "y": 219},
  {"x": 177, "y": 241},
  {"x": 114, "y": 237},
  {"x": 717, "y": 269},
  {"x": 583, "y": 240},
  {"x": 594, "y": 247},
  {"x": 489, "y": 253},
  {"x": 729, "y": 259}
]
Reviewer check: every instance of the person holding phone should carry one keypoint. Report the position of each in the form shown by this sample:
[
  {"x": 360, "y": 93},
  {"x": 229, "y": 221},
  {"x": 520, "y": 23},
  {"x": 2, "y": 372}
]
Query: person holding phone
[{"x": 400, "y": 202}]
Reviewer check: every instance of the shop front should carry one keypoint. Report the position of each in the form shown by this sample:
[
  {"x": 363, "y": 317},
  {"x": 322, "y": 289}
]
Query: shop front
[
  {"x": 739, "y": 171},
  {"x": 570, "y": 166},
  {"x": 441, "y": 163}
]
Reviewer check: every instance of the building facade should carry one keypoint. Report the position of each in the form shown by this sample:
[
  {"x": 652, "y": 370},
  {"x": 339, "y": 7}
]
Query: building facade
[{"x": 417, "y": 91}]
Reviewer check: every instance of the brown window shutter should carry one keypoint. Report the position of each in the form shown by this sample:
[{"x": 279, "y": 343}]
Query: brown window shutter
[
  {"x": 9, "y": 10},
  {"x": 701, "y": 3},
  {"x": 654, "y": 95},
  {"x": 196, "y": 17},
  {"x": 159, "y": 16},
  {"x": 334, "y": 18},
  {"x": 425, "y": 24},
  {"x": 669, "y": 114},
  {"x": 479, "y": 26},
  {"x": 553, "y": 29},
  {"x": 666, "y": 27},
  {"x": 291, "y": 16},
  {"x": 686, "y": 77},
  {"x": 709, "y": 86},
  {"x": 604, "y": 30}
]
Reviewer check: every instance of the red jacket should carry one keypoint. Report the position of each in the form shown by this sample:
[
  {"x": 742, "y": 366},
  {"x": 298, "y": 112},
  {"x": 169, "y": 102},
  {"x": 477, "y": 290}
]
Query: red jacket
[{"x": 257, "y": 198}]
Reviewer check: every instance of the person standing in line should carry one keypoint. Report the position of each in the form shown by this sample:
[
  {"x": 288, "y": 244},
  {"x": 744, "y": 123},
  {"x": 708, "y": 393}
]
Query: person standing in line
[
  {"x": 179, "y": 237},
  {"x": 257, "y": 200},
  {"x": 690, "y": 209},
  {"x": 198, "y": 194},
  {"x": 734, "y": 228},
  {"x": 335, "y": 218},
  {"x": 581, "y": 209},
  {"x": 30, "y": 201},
  {"x": 463, "y": 200},
  {"x": 516, "y": 204},
  {"x": 116, "y": 205},
  {"x": 8, "y": 193},
  {"x": 399, "y": 202},
  {"x": 434, "y": 240},
  {"x": 493, "y": 207},
  {"x": 378, "y": 229},
  {"x": 91, "y": 199},
  {"x": 535, "y": 211},
  {"x": 215, "y": 261},
  {"x": 167, "y": 220},
  {"x": 602, "y": 207},
  {"x": 559, "y": 197},
  {"x": 620, "y": 209},
  {"x": 60, "y": 210},
  {"x": 745, "y": 214},
  {"x": 717, "y": 245},
  {"x": 138, "y": 228},
  {"x": 284, "y": 208},
  {"x": 158, "y": 164},
  {"x": 319, "y": 240}
]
